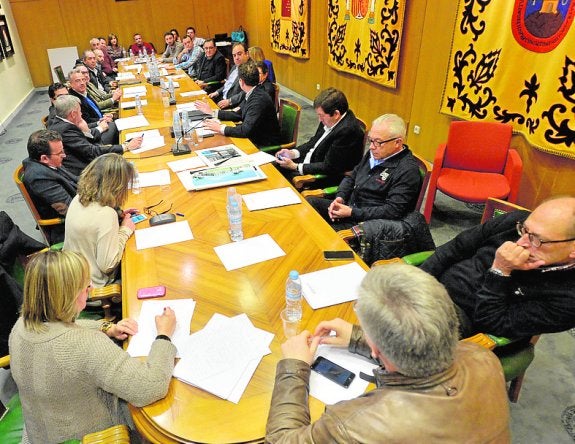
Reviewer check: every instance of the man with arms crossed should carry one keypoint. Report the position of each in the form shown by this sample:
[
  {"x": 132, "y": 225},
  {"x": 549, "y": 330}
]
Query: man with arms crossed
[
  {"x": 336, "y": 147},
  {"x": 210, "y": 67},
  {"x": 514, "y": 275},
  {"x": 430, "y": 387},
  {"x": 385, "y": 184}
]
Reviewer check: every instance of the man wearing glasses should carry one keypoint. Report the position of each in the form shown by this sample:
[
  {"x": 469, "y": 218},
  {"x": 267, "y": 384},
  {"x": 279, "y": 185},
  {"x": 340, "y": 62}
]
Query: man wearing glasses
[
  {"x": 384, "y": 185},
  {"x": 231, "y": 94},
  {"x": 209, "y": 69},
  {"x": 50, "y": 185},
  {"x": 514, "y": 275}
]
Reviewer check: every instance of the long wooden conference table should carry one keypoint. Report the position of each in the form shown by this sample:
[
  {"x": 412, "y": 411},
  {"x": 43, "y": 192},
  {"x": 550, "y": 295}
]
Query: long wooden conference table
[{"x": 192, "y": 269}]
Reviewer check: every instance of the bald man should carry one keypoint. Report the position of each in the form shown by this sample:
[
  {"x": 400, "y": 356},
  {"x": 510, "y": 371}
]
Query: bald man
[{"x": 514, "y": 275}]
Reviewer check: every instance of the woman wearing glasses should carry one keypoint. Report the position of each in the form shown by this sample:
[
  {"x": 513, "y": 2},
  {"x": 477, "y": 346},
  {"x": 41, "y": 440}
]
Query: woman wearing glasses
[
  {"x": 72, "y": 379},
  {"x": 94, "y": 226}
]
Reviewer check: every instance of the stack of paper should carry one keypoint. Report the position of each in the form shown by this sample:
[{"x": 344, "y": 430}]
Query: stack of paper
[
  {"x": 141, "y": 342},
  {"x": 191, "y": 163},
  {"x": 223, "y": 356},
  {"x": 166, "y": 234},
  {"x": 278, "y": 197},
  {"x": 125, "y": 76},
  {"x": 133, "y": 91},
  {"x": 151, "y": 139},
  {"x": 155, "y": 178},
  {"x": 131, "y": 122},
  {"x": 193, "y": 93},
  {"x": 132, "y": 104}
]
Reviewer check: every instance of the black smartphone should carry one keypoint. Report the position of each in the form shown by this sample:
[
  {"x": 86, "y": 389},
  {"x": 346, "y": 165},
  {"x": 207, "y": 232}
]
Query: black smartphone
[
  {"x": 342, "y": 255},
  {"x": 333, "y": 372}
]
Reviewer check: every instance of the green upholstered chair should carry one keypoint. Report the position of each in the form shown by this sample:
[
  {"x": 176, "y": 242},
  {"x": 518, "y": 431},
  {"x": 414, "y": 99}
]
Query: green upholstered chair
[
  {"x": 289, "y": 116},
  {"x": 515, "y": 359}
]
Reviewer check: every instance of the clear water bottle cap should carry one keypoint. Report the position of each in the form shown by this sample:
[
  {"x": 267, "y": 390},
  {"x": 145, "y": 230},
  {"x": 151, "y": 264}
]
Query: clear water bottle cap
[{"x": 293, "y": 275}]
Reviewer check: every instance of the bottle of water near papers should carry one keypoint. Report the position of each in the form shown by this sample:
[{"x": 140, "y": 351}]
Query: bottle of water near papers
[
  {"x": 139, "y": 105},
  {"x": 235, "y": 214},
  {"x": 131, "y": 53},
  {"x": 144, "y": 51},
  {"x": 177, "y": 124},
  {"x": 293, "y": 296},
  {"x": 136, "y": 180},
  {"x": 171, "y": 88}
]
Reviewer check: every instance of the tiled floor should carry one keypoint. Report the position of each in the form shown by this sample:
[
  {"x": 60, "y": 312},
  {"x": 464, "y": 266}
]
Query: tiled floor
[{"x": 550, "y": 383}]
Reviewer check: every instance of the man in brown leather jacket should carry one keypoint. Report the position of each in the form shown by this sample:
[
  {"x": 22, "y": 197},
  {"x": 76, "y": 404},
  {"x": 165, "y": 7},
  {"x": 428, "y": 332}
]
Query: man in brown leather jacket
[{"x": 430, "y": 387}]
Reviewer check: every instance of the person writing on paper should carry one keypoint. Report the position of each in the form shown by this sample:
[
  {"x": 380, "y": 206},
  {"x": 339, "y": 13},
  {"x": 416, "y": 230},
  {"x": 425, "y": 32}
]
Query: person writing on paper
[
  {"x": 257, "y": 112},
  {"x": 95, "y": 224},
  {"x": 429, "y": 386},
  {"x": 72, "y": 379}
]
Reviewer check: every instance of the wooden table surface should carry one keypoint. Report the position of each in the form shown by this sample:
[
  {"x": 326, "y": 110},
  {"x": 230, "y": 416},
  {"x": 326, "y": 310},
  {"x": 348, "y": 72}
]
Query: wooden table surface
[{"x": 192, "y": 269}]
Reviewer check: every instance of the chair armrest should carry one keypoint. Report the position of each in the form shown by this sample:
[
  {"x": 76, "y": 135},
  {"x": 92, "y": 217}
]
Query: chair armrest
[
  {"x": 107, "y": 292},
  {"x": 483, "y": 340},
  {"x": 417, "y": 258},
  {"x": 512, "y": 173},
  {"x": 270, "y": 149},
  {"x": 49, "y": 222},
  {"x": 114, "y": 434},
  {"x": 5, "y": 361},
  {"x": 346, "y": 235},
  {"x": 300, "y": 181},
  {"x": 313, "y": 193}
]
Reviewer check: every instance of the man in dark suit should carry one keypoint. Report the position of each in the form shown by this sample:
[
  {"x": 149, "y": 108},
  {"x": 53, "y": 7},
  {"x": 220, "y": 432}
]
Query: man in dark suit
[
  {"x": 256, "y": 111},
  {"x": 210, "y": 67},
  {"x": 91, "y": 113},
  {"x": 231, "y": 94},
  {"x": 336, "y": 147},
  {"x": 79, "y": 143},
  {"x": 51, "y": 186},
  {"x": 97, "y": 77}
]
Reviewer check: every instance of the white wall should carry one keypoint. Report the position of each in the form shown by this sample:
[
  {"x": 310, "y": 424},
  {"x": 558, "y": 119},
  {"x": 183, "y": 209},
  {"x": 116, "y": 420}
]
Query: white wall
[{"x": 15, "y": 81}]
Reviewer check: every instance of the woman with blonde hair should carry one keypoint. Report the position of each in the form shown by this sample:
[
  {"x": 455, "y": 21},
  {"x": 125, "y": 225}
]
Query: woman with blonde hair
[
  {"x": 257, "y": 55},
  {"x": 95, "y": 224},
  {"x": 72, "y": 379}
]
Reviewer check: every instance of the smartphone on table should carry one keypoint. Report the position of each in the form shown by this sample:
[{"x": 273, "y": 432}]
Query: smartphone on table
[{"x": 333, "y": 371}]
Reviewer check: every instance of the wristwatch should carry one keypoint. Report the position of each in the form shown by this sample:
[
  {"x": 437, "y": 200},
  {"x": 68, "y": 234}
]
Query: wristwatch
[
  {"x": 106, "y": 325},
  {"x": 498, "y": 272}
]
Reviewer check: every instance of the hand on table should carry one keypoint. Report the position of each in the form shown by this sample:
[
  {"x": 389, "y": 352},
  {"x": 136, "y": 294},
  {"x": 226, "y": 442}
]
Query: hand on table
[
  {"x": 134, "y": 143},
  {"x": 203, "y": 107},
  {"x": 223, "y": 103},
  {"x": 124, "y": 328},
  {"x": 213, "y": 125}
]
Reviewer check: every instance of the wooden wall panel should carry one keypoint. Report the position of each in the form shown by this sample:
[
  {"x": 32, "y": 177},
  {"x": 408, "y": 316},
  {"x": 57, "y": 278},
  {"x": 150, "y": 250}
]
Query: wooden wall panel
[{"x": 44, "y": 24}]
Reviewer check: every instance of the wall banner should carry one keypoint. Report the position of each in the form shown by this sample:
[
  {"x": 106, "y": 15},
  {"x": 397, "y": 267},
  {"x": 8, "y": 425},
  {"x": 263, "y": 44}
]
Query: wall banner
[
  {"x": 364, "y": 38},
  {"x": 513, "y": 62},
  {"x": 289, "y": 32}
]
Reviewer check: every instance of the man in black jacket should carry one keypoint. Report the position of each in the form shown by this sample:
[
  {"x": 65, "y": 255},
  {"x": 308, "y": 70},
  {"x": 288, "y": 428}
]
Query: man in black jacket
[
  {"x": 336, "y": 147},
  {"x": 385, "y": 184},
  {"x": 514, "y": 275},
  {"x": 256, "y": 111},
  {"x": 79, "y": 143},
  {"x": 210, "y": 67},
  {"x": 51, "y": 186}
]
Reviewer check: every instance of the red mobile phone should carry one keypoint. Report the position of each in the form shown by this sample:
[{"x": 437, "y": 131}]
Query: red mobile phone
[{"x": 152, "y": 292}]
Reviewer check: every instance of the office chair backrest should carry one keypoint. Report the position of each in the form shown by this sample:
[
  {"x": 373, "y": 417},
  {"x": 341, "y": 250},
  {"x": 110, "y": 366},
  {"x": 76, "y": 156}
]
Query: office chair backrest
[
  {"x": 425, "y": 172},
  {"x": 289, "y": 120},
  {"x": 478, "y": 146},
  {"x": 277, "y": 96}
]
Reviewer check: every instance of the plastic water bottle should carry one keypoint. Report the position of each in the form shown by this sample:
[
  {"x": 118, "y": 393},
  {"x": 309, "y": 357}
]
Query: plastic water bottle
[
  {"x": 235, "y": 215},
  {"x": 293, "y": 296},
  {"x": 131, "y": 53},
  {"x": 136, "y": 180},
  {"x": 139, "y": 105},
  {"x": 171, "y": 88},
  {"x": 177, "y": 123},
  {"x": 144, "y": 51}
]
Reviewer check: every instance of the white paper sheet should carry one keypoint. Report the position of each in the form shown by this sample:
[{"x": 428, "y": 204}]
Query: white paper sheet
[
  {"x": 131, "y": 122},
  {"x": 261, "y": 158},
  {"x": 141, "y": 342},
  {"x": 193, "y": 93},
  {"x": 163, "y": 235},
  {"x": 131, "y": 104},
  {"x": 186, "y": 106},
  {"x": 155, "y": 178},
  {"x": 278, "y": 197},
  {"x": 222, "y": 357},
  {"x": 146, "y": 133},
  {"x": 133, "y": 91},
  {"x": 134, "y": 67},
  {"x": 248, "y": 252},
  {"x": 328, "y": 391},
  {"x": 150, "y": 143},
  {"x": 125, "y": 76},
  {"x": 177, "y": 76},
  {"x": 332, "y": 286},
  {"x": 190, "y": 163}
]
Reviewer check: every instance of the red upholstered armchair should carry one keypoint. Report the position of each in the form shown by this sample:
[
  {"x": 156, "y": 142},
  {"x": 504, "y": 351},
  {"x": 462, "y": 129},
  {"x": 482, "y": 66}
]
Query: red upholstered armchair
[{"x": 474, "y": 164}]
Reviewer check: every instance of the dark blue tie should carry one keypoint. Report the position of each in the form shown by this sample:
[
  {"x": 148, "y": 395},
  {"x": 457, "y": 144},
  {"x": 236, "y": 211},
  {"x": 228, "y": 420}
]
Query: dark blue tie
[{"x": 94, "y": 106}]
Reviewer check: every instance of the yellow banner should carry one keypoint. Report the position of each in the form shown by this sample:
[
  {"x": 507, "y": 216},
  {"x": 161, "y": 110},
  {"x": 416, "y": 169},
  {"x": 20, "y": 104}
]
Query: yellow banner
[
  {"x": 364, "y": 38},
  {"x": 513, "y": 62},
  {"x": 289, "y": 32}
]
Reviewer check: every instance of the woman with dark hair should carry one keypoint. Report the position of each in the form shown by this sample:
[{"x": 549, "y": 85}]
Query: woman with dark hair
[
  {"x": 72, "y": 379},
  {"x": 114, "y": 49},
  {"x": 94, "y": 225},
  {"x": 176, "y": 35}
]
